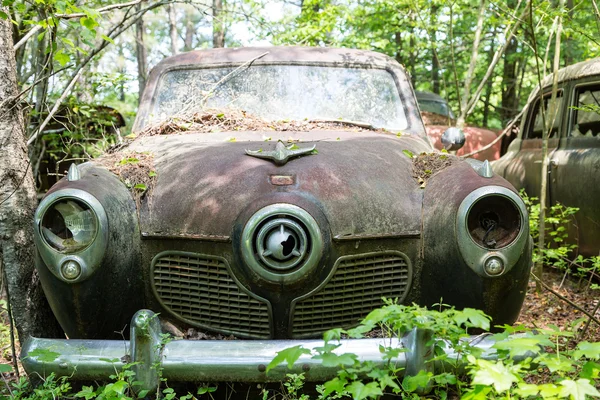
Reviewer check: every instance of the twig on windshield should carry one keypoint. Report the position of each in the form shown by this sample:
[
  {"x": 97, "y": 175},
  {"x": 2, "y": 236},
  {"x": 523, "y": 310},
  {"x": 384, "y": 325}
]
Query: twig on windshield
[{"x": 225, "y": 79}]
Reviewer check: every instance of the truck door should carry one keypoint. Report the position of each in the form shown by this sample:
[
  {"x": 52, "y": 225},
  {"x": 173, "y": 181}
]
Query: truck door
[
  {"x": 575, "y": 166},
  {"x": 525, "y": 169}
]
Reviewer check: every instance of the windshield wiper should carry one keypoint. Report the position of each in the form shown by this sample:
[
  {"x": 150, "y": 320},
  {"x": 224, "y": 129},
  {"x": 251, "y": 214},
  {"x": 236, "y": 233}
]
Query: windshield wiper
[{"x": 360, "y": 124}]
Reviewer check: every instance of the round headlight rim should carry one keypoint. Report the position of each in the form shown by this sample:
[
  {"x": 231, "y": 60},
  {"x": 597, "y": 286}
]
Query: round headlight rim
[
  {"x": 43, "y": 212},
  {"x": 91, "y": 257},
  {"x": 473, "y": 254},
  {"x": 515, "y": 205}
]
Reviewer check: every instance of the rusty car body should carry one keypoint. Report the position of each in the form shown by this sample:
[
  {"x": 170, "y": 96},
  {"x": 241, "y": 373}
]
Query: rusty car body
[
  {"x": 573, "y": 150},
  {"x": 276, "y": 233},
  {"x": 438, "y": 116}
]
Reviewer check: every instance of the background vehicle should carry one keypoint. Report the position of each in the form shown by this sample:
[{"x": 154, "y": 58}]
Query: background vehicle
[
  {"x": 573, "y": 149},
  {"x": 438, "y": 116}
]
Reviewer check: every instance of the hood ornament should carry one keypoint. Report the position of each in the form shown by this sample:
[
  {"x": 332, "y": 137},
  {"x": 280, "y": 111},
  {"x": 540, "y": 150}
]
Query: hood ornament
[{"x": 281, "y": 154}]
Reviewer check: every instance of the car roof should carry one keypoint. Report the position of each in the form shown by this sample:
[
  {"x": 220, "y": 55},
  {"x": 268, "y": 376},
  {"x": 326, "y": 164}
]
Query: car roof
[
  {"x": 278, "y": 54},
  {"x": 429, "y": 96}
]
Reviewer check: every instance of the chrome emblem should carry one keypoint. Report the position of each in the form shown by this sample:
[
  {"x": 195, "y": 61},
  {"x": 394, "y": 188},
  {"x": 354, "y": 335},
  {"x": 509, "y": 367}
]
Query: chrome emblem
[{"x": 281, "y": 154}]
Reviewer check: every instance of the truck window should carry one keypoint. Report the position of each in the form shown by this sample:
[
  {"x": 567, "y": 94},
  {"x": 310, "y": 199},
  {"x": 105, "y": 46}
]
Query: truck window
[
  {"x": 586, "y": 112},
  {"x": 535, "y": 130}
]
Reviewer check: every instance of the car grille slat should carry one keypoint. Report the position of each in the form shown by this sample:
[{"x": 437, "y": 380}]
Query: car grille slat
[
  {"x": 356, "y": 287},
  {"x": 199, "y": 289}
]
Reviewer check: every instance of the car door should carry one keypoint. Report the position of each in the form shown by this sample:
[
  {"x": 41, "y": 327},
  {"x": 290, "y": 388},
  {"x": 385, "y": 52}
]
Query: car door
[
  {"x": 575, "y": 165},
  {"x": 524, "y": 170}
]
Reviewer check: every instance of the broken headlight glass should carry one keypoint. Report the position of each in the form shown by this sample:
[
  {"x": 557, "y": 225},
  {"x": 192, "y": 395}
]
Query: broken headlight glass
[{"x": 69, "y": 226}]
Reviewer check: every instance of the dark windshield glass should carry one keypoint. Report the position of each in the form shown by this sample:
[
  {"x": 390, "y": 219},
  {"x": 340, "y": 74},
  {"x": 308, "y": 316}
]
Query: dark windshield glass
[{"x": 285, "y": 92}]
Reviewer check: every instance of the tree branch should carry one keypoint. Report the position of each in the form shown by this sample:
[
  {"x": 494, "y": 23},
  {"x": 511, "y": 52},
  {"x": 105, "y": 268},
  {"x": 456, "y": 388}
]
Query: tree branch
[
  {"x": 500, "y": 136},
  {"x": 101, "y": 10},
  {"x": 563, "y": 298},
  {"x": 115, "y": 32}
]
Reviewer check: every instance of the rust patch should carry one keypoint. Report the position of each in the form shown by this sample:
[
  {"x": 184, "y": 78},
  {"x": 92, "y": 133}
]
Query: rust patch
[
  {"x": 282, "y": 180},
  {"x": 425, "y": 165}
]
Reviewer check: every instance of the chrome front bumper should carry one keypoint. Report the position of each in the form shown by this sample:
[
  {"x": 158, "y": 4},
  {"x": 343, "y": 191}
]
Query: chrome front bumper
[{"x": 212, "y": 360}]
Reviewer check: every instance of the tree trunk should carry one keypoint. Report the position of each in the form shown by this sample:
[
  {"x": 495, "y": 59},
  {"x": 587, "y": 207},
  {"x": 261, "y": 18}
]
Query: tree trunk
[
  {"x": 412, "y": 53},
  {"x": 173, "y": 29},
  {"x": 510, "y": 102},
  {"x": 398, "y": 40},
  {"x": 460, "y": 123},
  {"x": 218, "y": 25},
  {"x": 489, "y": 84},
  {"x": 140, "y": 52},
  {"x": 435, "y": 63},
  {"x": 188, "y": 42},
  {"x": 17, "y": 204}
]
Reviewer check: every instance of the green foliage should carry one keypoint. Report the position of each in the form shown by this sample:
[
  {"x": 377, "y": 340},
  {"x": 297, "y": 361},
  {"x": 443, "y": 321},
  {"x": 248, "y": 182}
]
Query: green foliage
[
  {"x": 542, "y": 364},
  {"x": 559, "y": 252}
]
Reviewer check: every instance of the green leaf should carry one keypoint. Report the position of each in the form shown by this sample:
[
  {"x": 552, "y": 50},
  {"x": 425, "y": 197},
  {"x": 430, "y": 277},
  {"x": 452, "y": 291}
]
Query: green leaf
[
  {"x": 62, "y": 58},
  {"x": 335, "y": 385},
  {"x": 498, "y": 375},
  {"x": 527, "y": 389},
  {"x": 109, "y": 360},
  {"x": 206, "y": 389},
  {"x": 477, "y": 393},
  {"x": 408, "y": 153},
  {"x": 412, "y": 383},
  {"x": 588, "y": 350},
  {"x": 333, "y": 360},
  {"x": 578, "y": 390},
  {"x": 140, "y": 186},
  {"x": 315, "y": 151},
  {"x": 555, "y": 362},
  {"x": 291, "y": 355},
  {"x": 86, "y": 392},
  {"x": 152, "y": 174},
  {"x": 129, "y": 160},
  {"x": 519, "y": 346},
  {"x": 332, "y": 334},
  {"x": 360, "y": 391},
  {"x": 44, "y": 355},
  {"x": 5, "y": 368},
  {"x": 89, "y": 23},
  {"x": 3, "y": 15},
  {"x": 590, "y": 370},
  {"x": 109, "y": 40},
  {"x": 293, "y": 146},
  {"x": 476, "y": 318}
]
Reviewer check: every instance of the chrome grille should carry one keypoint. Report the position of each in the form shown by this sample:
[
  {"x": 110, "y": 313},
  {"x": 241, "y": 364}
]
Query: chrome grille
[
  {"x": 199, "y": 289},
  {"x": 357, "y": 286}
]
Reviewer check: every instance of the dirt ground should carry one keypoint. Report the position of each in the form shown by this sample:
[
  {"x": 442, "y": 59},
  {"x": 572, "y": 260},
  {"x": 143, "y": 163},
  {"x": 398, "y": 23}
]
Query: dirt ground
[{"x": 544, "y": 309}]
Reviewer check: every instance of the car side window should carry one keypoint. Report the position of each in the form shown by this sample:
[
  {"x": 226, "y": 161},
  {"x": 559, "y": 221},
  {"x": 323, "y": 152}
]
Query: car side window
[
  {"x": 551, "y": 113},
  {"x": 586, "y": 113}
]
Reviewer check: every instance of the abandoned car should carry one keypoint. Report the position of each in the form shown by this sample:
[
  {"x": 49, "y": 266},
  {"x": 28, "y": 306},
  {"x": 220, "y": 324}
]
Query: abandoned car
[
  {"x": 438, "y": 116},
  {"x": 573, "y": 150},
  {"x": 271, "y": 194}
]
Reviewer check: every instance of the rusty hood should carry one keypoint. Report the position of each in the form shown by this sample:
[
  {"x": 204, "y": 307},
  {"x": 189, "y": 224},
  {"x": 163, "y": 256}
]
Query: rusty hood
[{"x": 361, "y": 181}]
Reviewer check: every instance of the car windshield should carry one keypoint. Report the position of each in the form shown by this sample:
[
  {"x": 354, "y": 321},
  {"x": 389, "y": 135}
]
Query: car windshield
[
  {"x": 285, "y": 92},
  {"x": 436, "y": 107}
]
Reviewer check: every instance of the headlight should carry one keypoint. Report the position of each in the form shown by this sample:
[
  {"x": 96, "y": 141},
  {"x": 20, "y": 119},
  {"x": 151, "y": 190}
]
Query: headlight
[
  {"x": 69, "y": 226},
  {"x": 494, "y": 221},
  {"x": 71, "y": 234},
  {"x": 492, "y": 230}
]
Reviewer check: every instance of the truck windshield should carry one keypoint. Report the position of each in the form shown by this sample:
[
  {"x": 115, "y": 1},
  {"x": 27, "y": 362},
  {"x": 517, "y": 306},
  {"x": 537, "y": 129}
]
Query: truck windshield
[{"x": 285, "y": 92}]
